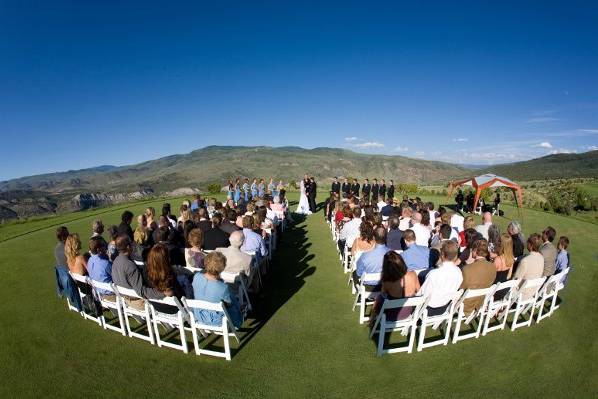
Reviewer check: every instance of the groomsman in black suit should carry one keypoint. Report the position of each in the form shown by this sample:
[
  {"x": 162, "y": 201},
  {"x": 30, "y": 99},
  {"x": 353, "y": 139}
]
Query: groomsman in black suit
[
  {"x": 375, "y": 191},
  {"x": 355, "y": 188},
  {"x": 382, "y": 191},
  {"x": 336, "y": 186},
  {"x": 346, "y": 188},
  {"x": 366, "y": 191},
  {"x": 391, "y": 190},
  {"x": 312, "y": 194}
]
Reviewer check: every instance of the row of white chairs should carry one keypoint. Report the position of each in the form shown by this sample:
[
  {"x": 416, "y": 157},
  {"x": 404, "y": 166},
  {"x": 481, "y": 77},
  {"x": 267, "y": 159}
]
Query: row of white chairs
[
  {"x": 519, "y": 298},
  {"x": 151, "y": 316}
]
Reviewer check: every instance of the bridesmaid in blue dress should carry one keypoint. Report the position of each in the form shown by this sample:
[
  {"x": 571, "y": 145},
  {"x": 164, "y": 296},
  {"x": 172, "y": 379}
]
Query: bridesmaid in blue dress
[
  {"x": 260, "y": 188},
  {"x": 254, "y": 188}
]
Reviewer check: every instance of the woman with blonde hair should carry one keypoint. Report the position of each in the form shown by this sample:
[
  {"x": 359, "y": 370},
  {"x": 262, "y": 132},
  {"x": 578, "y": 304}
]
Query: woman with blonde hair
[
  {"x": 504, "y": 259},
  {"x": 194, "y": 255},
  {"x": 150, "y": 216},
  {"x": 74, "y": 259}
]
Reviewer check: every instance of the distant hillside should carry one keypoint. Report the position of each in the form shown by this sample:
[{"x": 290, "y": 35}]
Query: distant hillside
[
  {"x": 558, "y": 166},
  {"x": 216, "y": 164}
]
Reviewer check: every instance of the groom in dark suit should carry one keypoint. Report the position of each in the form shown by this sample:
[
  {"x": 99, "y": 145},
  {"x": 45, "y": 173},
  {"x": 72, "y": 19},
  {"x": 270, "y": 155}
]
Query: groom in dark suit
[{"x": 311, "y": 196}]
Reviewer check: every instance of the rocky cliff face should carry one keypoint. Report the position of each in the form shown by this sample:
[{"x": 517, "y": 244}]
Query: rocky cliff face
[{"x": 93, "y": 200}]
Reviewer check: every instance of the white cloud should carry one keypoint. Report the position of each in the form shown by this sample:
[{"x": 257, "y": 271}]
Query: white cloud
[
  {"x": 419, "y": 154},
  {"x": 542, "y": 119},
  {"x": 544, "y": 144},
  {"x": 460, "y": 140},
  {"x": 351, "y": 138},
  {"x": 562, "y": 151},
  {"x": 370, "y": 144},
  {"x": 592, "y": 147},
  {"x": 588, "y": 130},
  {"x": 401, "y": 149}
]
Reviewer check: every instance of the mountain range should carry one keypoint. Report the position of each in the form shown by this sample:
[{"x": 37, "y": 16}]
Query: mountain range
[{"x": 184, "y": 173}]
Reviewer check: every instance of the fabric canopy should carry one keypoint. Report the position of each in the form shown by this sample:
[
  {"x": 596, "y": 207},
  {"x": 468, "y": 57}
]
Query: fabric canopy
[{"x": 487, "y": 181}]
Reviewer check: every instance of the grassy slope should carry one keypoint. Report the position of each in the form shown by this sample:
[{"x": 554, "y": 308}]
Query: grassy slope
[{"x": 310, "y": 345}]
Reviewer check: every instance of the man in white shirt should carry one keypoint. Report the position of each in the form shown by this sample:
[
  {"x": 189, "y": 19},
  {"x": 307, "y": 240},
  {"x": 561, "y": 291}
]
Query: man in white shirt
[
  {"x": 405, "y": 220},
  {"x": 483, "y": 228},
  {"x": 422, "y": 233},
  {"x": 442, "y": 283},
  {"x": 350, "y": 230},
  {"x": 457, "y": 222}
]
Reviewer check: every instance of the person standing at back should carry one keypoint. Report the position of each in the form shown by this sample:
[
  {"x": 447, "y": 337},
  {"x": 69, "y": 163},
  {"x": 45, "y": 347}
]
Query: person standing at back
[
  {"x": 548, "y": 251},
  {"x": 366, "y": 189},
  {"x": 346, "y": 188},
  {"x": 336, "y": 186},
  {"x": 355, "y": 188},
  {"x": 391, "y": 190},
  {"x": 382, "y": 190},
  {"x": 375, "y": 191}
]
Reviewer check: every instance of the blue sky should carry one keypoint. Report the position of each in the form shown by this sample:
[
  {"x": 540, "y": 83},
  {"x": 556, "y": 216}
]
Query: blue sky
[{"x": 91, "y": 83}]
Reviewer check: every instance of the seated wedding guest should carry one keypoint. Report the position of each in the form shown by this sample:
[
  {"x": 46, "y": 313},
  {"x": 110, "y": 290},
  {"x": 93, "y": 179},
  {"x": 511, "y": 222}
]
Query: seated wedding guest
[
  {"x": 416, "y": 257},
  {"x": 237, "y": 261},
  {"x": 194, "y": 255},
  {"x": 483, "y": 228},
  {"x": 140, "y": 240},
  {"x": 61, "y": 235},
  {"x": 254, "y": 242},
  {"x": 445, "y": 218},
  {"x": 169, "y": 217},
  {"x": 365, "y": 241},
  {"x": 371, "y": 261},
  {"x": 160, "y": 274},
  {"x": 350, "y": 230},
  {"x": 422, "y": 233},
  {"x": 125, "y": 225},
  {"x": 548, "y": 251},
  {"x": 504, "y": 259},
  {"x": 162, "y": 222},
  {"x": 531, "y": 266},
  {"x": 562, "y": 259},
  {"x": 97, "y": 228},
  {"x": 74, "y": 258},
  {"x": 150, "y": 217},
  {"x": 493, "y": 239},
  {"x": 185, "y": 214},
  {"x": 514, "y": 229},
  {"x": 397, "y": 283},
  {"x": 203, "y": 222},
  {"x": 214, "y": 237},
  {"x": 471, "y": 236},
  {"x": 406, "y": 214},
  {"x": 387, "y": 209},
  {"x": 228, "y": 224},
  {"x": 444, "y": 234},
  {"x": 443, "y": 282},
  {"x": 99, "y": 266},
  {"x": 468, "y": 223},
  {"x": 394, "y": 238},
  {"x": 478, "y": 274},
  {"x": 425, "y": 220},
  {"x": 207, "y": 286},
  {"x": 456, "y": 222},
  {"x": 126, "y": 274},
  {"x": 112, "y": 251}
]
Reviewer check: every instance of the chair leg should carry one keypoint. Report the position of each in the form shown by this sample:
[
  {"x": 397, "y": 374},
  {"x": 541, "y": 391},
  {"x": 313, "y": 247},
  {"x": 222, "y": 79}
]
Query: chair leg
[
  {"x": 422, "y": 335},
  {"x": 381, "y": 335},
  {"x": 411, "y": 332}
]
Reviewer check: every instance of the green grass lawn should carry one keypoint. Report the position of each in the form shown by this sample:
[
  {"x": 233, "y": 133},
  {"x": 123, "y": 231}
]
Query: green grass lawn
[{"x": 304, "y": 341}]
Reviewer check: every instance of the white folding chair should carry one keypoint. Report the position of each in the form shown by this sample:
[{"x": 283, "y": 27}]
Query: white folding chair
[
  {"x": 86, "y": 294},
  {"x": 142, "y": 316},
  {"x": 139, "y": 263},
  {"x": 238, "y": 279},
  {"x": 109, "y": 300},
  {"x": 170, "y": 314},
  {"x": 406, "y": 326},
  {"x": 436, "y": 321},
  {"x": 255, "y": 269},
  {"x": 346, "y": 259},
  {"x": 525, "y": 301},
  {"x": 497, "y": 308},
  {"x": 226, "y": 329},
  {"x": 477, "y": 314},
  {"x": 353, "y": 267},
  {"x": 559, "y": 286},
  {"x": 363, "y": 297},
  {"x": 548, "y": 293}
]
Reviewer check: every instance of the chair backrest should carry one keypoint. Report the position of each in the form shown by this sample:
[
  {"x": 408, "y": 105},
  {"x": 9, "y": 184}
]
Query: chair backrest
[
  {"x": 139, "y": 262},
  {"x": 79, "y": 278},
  {"x": 168, "y": 301},
  {"x": 399, "y": 251},
  {"x": 370, "y": 277},
  {"x": 205, "y": 305},
  {"x": 510, "y": 285},
  {"x": 535, "y": 283},
  {"x": 417, "y": 302},
  {"x": 476, "y": 293},
  {"x": 122, "y": 291},
  {"x": 229, "y": 277}
]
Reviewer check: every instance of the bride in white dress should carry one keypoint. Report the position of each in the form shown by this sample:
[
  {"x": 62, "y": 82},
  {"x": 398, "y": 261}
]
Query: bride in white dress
[{"x": 303, "y": 207}]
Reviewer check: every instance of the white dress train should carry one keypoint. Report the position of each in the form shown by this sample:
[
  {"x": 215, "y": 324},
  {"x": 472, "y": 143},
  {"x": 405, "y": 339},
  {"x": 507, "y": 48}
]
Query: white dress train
[{"x": 303, "y": 207}]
